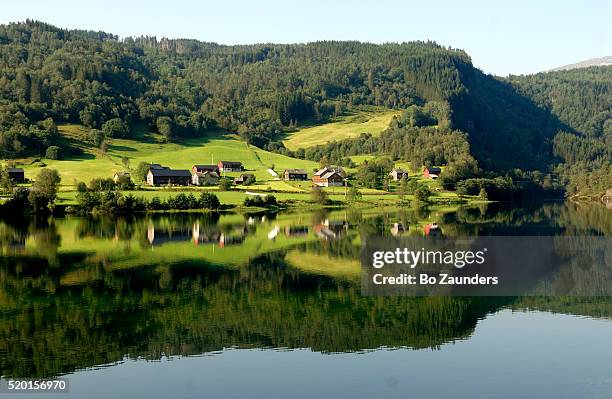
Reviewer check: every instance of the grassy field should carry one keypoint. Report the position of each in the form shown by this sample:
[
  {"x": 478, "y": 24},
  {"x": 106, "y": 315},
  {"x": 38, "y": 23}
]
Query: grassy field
[
  {"x": 368, "y": 121},
  {"x": 149, "y": 147},
  {"x": 181, "y": 155}
]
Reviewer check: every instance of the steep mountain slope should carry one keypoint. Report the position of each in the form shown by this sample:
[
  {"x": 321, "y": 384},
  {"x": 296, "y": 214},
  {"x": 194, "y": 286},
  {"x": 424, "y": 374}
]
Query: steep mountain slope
[{"x": 582, "y": 100}]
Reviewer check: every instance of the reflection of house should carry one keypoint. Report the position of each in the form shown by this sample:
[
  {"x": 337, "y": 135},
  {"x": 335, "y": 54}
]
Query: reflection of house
[
  {"x": 398, "y": 174},
  {"x": 243, "y": 177},
  {"x": 432, "y": 230},
  {"x": 273, "y": 233},
  {"x": 225, "y": 240},
  {"x": 398, "y": 229},
  {"x": 229, "y": 166},
  {"x": 16, "y": 175},
  {"x": 161, "y": 175},
  {"x": 205, "y": 178},
  {"x": 327, "y": 177},
  {"x": 204, "y": 236},
  {"x": 295, "y": 175},
  {"x": 432, "y": 172},
  {"x": 331, "y": 229},
  {"x": 296, "y": 231},
  {"x": 121, "y": 176},
  {"x": 162, "y": 236}
]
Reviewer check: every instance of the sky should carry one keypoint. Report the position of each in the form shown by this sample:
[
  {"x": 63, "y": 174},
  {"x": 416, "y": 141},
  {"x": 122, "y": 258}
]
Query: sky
[{"x": 502, "y": 37}]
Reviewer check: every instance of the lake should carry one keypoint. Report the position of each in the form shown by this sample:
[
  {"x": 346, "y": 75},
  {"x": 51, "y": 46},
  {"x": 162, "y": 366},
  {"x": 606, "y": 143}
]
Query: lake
[{"x": 270, "y": 305}]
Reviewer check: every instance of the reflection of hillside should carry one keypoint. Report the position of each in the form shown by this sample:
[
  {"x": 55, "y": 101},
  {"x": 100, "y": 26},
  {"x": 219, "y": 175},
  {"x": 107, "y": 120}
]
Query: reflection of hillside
[
  {"x": 191, "y": 309},
  {"x": 112, "y": 297}
]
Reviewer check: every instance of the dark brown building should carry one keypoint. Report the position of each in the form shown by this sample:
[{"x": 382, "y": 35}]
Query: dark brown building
[
  {"x": 295, "y": 174},
  {"x": 16, "y": 175},
  {"x": 229, "y": 166},
  {"x": 243, "y": 177},
  {"x": 165, "y": 176}
]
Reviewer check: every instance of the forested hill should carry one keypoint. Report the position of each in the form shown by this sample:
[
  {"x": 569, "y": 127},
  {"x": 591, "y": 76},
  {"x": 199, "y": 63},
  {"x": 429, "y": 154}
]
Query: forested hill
[
  {"x": 582, "y": 100},
  {"x": 187, "y": 87}
]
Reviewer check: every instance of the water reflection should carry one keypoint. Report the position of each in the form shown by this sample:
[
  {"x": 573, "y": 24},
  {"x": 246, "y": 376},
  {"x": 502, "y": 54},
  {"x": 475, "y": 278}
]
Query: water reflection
[{"x": 80, "y": 292}]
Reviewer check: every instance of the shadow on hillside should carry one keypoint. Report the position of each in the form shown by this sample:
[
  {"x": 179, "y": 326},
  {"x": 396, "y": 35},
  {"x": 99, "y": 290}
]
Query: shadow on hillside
[
  {"x": 506, "y": 128},
  {"x": 205, "y": 138},
  {"x": 121, "y": 148}
]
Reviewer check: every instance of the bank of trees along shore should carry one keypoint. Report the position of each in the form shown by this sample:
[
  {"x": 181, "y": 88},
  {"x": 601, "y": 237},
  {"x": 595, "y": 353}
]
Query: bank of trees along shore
[{"x": 185, "y": 87}]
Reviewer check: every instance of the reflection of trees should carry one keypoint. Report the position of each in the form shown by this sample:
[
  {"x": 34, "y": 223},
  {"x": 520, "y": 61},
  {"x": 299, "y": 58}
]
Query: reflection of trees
[
  {"x": 191, "y": 308},
  {"x": 95, "y": 316},
  {"x": 552, "y": 218}
]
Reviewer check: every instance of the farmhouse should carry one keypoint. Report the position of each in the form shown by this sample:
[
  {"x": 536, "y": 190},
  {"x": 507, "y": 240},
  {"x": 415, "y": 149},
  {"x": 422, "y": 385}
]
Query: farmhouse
[
  {"x": 295, "y": 175},
  {"x": 229, "y": 166},
  {"x": 432, "y": 172},
  {"x": 243, "y": 177},
  {"x": 328, "y": 178},
  {"x": 16, "y": 175},
  {"x": 398, "y": 174},
  {"x": 204, "y": 168},
  {"x": 121, "y": 176},
  {"x": 338, "y": 169},
  {"x": 161, "y": 176},
  {"x": 206, "y": 178}
]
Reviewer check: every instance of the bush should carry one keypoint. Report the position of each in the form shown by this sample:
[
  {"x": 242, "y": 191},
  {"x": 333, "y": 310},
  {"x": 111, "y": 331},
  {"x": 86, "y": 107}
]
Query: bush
[
  {"x": 101, "y": 184},
  {"x": 141, "y": 171},
  {"x": 81, "y": 187},
  {"x": 115, "y": 128},
  {"x": 225, "y": 185},
  {"x": 319, "y": 196},
  {"x": 53, "y": 152},
  {"x": 209, "y": 201},
  {"x": 125, "y": 183},
  {"x": 353, "y": 194},
  {"x": 421, "y": 194},
  {"x": 96, "y": 137},
  {"x": 250, "y": 179},
  {"x": 260, "y": 201}
]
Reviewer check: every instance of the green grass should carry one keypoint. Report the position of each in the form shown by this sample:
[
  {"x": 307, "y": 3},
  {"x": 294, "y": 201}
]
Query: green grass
[
  {"x": 183, "y": 154},
  {"x": 180, "y": 155},
  {"x": 373, "y": 120}
]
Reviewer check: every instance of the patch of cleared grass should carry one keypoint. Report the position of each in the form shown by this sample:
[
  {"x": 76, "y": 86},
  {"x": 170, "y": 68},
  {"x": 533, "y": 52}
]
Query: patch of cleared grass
[{"x": 370, "y": 121}]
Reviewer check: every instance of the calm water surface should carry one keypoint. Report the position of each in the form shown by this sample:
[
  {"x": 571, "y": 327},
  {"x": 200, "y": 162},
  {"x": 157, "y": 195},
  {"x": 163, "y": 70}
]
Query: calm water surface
[{"x": 263, "y": 305}]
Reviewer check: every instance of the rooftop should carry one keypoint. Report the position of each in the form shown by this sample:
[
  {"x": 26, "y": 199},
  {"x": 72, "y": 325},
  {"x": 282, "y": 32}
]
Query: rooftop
[{"x": 166, "y": 172}]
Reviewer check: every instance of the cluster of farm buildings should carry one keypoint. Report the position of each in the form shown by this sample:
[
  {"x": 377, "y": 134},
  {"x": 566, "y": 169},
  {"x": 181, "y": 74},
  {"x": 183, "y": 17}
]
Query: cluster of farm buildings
[{"x": 207, "y": 175}]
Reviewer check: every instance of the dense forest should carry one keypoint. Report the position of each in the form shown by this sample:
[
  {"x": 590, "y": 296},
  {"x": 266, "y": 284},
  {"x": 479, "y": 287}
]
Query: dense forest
[
  {"x": 582, "y": 100},
  {"x": 187, "y": 87}
]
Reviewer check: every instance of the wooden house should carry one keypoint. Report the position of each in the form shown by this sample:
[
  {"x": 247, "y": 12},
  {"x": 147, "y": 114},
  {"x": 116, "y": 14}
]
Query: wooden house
[
  {"x": 328, "y": 178},
  {"x": 229, "y": 166},
  {"x": 121, "y": 176},
  {"x": 205, "y": 178},
  {"x": 295, "y": 175},
  {"x": 398, "y": 174},
  {"x": 164, "y": 176},
  {"x": 204, "y": 168},
  {"x": 431, "y": 172},
  {"x": 243, "y": 177}
]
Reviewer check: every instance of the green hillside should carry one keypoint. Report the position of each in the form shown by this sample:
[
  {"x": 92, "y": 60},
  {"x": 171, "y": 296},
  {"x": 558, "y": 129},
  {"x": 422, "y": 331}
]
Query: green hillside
[
  {"x": 372, "y": 121},
  {"x": 149, "y": 147},
  {"x": 556, "y": 124}
]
